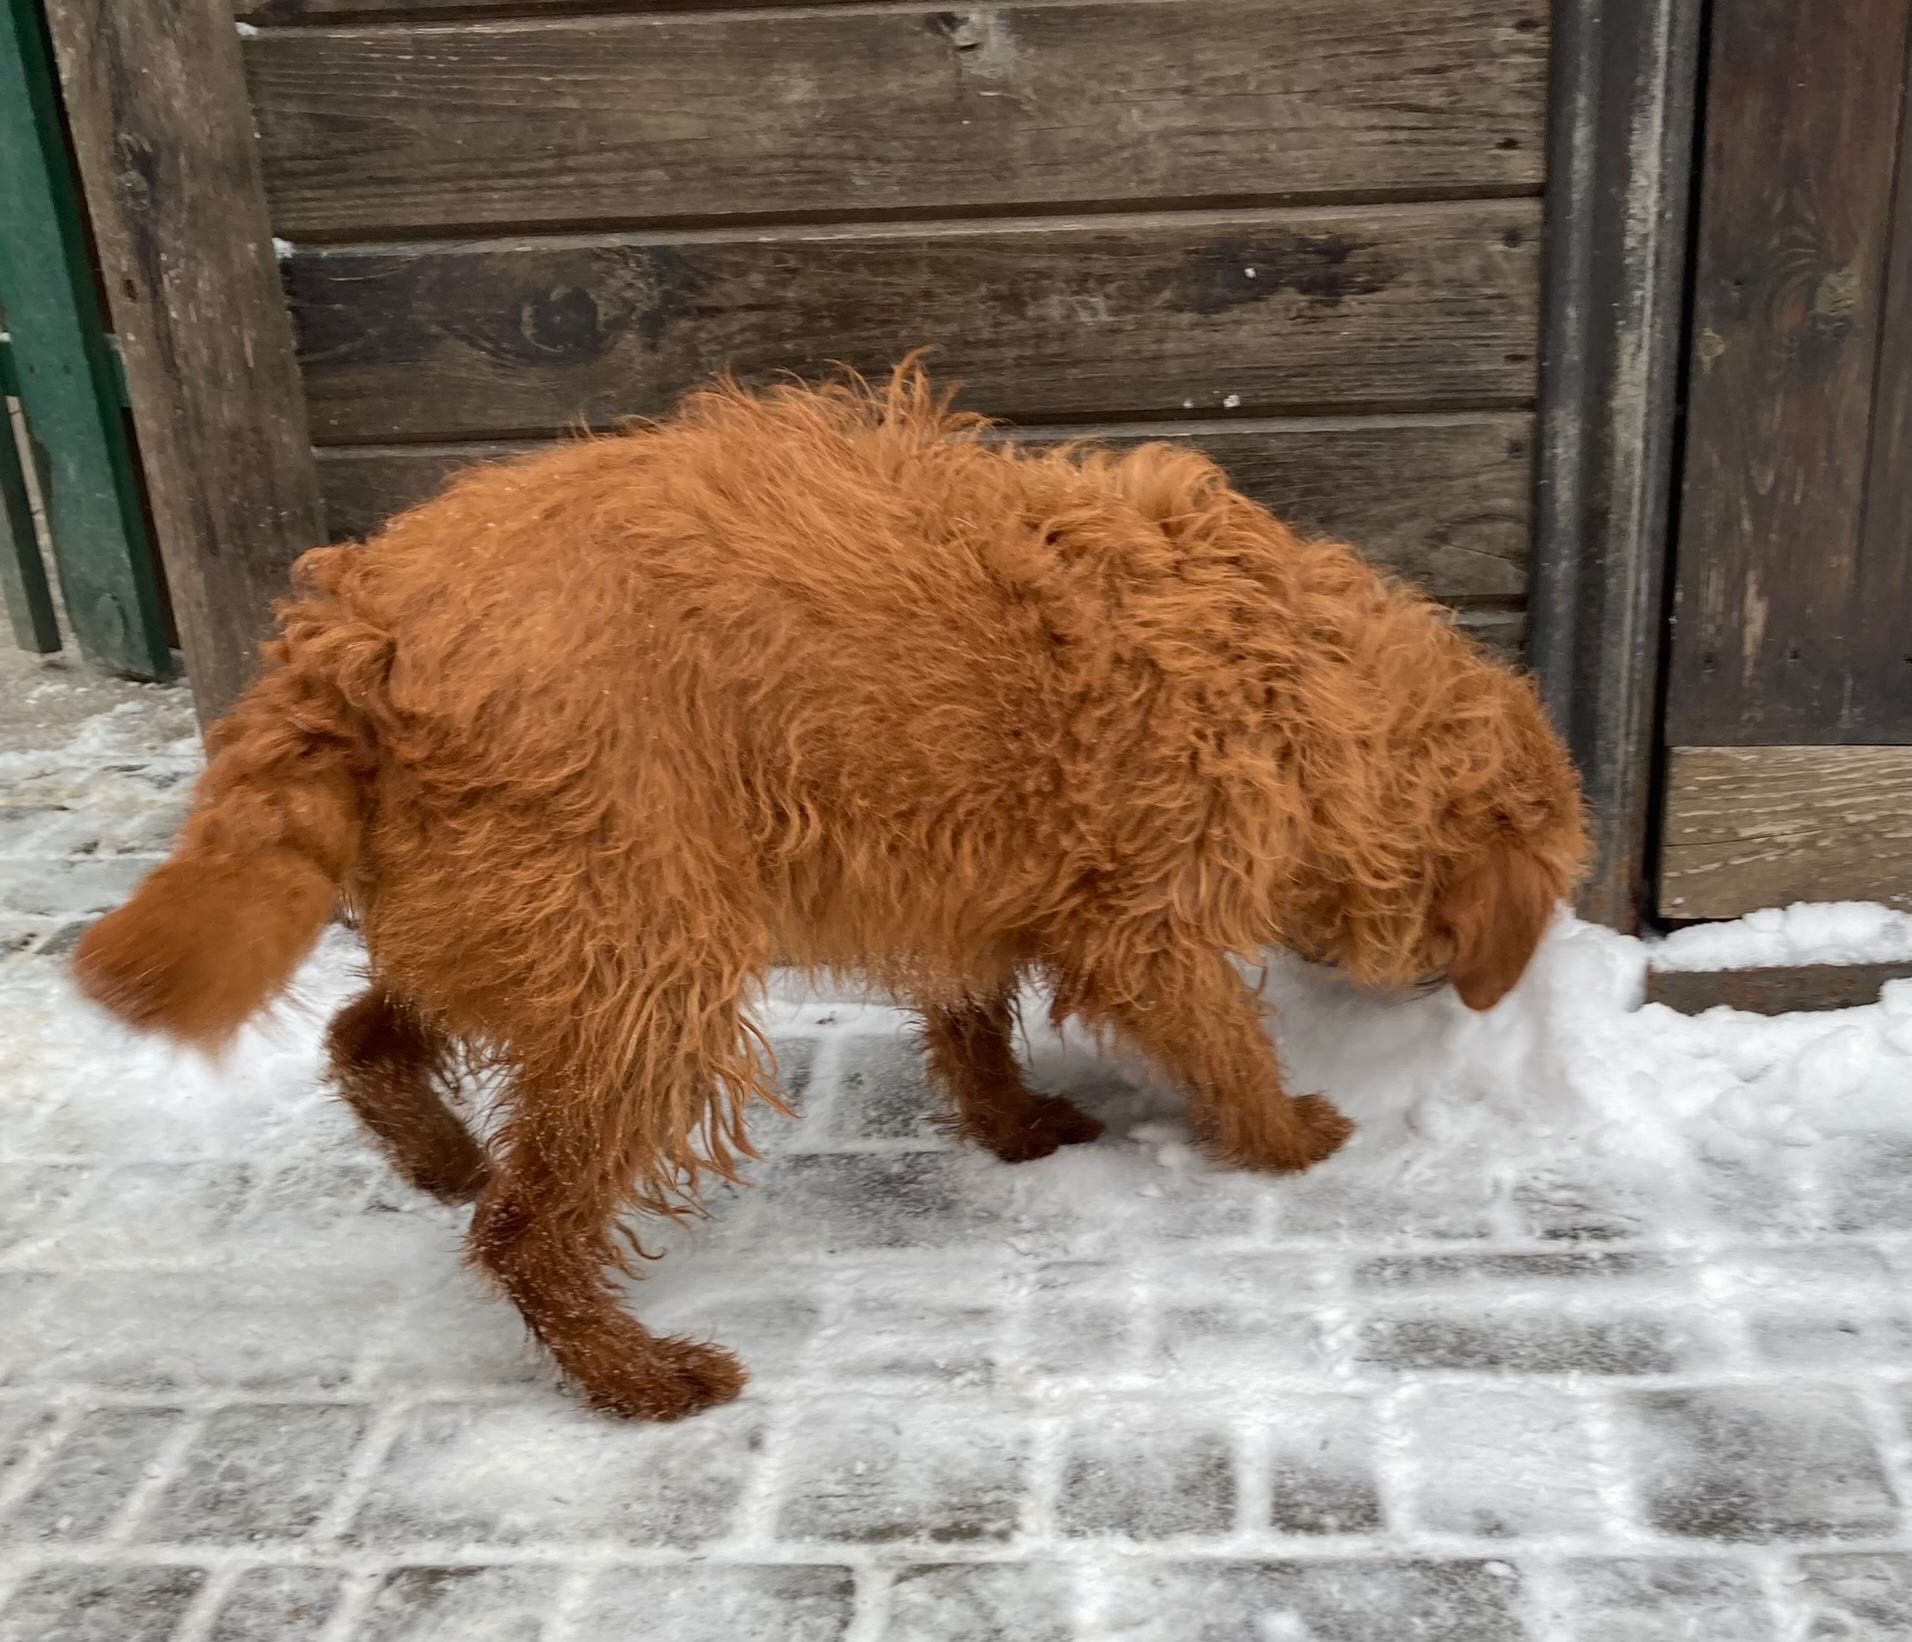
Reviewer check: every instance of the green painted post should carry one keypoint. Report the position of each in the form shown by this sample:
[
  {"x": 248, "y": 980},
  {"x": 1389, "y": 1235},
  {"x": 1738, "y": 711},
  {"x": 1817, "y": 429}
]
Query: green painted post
[
  {"x": 67, "y": 383},
  {"x": 22, "y": 572}
]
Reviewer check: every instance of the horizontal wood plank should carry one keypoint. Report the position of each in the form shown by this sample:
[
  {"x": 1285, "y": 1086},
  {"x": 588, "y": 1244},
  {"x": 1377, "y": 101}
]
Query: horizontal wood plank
[
  {"x": 272, "y": 13},
  {"x": 1443, "y": 501},
  {"x": 1402, "y": 307},
  {"x": 1753, "y": 827},
  {"x": 644, "y": 119},
  {"x": 1776, "y": 991}
]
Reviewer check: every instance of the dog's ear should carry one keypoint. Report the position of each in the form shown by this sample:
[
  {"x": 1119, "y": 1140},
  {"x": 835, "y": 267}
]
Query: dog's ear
[{"x": 1497, "y": 910}]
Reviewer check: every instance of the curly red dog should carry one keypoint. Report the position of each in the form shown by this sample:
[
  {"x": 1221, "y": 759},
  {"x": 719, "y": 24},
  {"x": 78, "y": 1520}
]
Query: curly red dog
[{"x": 824, "y": 674}]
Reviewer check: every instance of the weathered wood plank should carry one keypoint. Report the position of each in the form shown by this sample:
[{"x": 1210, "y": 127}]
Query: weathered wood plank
[
  {"x": 1400, "y": 307},
  {"x": 1752, "y": 827},
  {"x": 1445, "y": 501},
  {"x": 156, "y": 103},
  {"x": 644, "y": 119},
  {"x": 274, "y": 12},
  {"x": 1880, "y": 708},
  {"x": 1801, "y": 132},
  {"x": 1777, "y": 991},
  {"x": 1503, "y": 631}
]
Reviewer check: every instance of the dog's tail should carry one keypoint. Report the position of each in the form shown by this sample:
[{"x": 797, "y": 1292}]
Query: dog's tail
[{"x": 215, "y": 933}]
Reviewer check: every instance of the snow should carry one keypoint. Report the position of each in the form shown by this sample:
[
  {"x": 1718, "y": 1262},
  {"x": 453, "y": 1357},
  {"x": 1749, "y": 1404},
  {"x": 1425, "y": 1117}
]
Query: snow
[{"x": 1830, "y": 932}]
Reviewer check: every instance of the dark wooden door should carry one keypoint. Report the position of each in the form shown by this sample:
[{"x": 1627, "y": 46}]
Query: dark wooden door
[{"x": 1789, "y": 701}]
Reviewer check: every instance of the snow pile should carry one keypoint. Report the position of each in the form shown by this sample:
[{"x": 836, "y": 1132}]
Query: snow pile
[
  {"x": 1571, "y": 1063},
  {"x": 1569, "y": 1067},
  {"x": 1832, "y": 932}
]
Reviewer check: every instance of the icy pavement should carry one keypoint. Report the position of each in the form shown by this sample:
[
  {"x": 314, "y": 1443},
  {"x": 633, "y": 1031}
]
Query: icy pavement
[{"x": 1599, "y": 1332}]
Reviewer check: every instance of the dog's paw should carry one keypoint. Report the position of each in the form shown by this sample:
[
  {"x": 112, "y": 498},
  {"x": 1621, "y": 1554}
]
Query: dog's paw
[
  {"x": 1045, "y": 1125},
  {"x": 675, "y": 1379},
  {"x": 1324, "y": 1130}
]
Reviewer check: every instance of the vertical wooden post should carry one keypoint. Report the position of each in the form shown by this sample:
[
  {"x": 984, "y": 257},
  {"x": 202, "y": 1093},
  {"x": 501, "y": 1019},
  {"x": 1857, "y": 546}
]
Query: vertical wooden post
[
  {"x": 65, "y": 375},
  {"x": 1620, "y": 159},
  {"x": 162, "y": 131}
]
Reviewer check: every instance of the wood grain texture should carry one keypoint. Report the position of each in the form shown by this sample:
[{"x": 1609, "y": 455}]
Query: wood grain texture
[
  {"x": 1443, "y": 501},
  {"x": 1880, "y": 708},
  {"x": 1752, "y": 827},
  {"x": 1801, "y": 133},
  {"x": 1777, "y": 991},
  {"x": 156, "y": 104},
  {"x": 271, "y": 13},
  {"x": 1112, "y": 318},
  {"x": 644, "y": 119}
]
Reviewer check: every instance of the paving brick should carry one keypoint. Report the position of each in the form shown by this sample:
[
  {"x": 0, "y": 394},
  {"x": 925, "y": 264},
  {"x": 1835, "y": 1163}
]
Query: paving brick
[
  {"x": 1588, "y": 1205},
  {"x": 1332, "y": 1205},
  {"x": 1856, "y": 1598},
  {"x": 171, "y": 1211},
  {"x": 30, "y": 829},
  {"x": 883, "y": 1092},
  {"x": 278, "y": 1605},
  {"x": 796, "y": 1065},
  {"x": 156, "y": 1331},
  {"x": 1758, "y": 1463},
  {"x": 839, "y": 1201},
  {"x": 1525, "y": 1343},
  {"x": 1321, "y": 1466},
  {"x": 458, "y": 1337},
  {"x": 1500, "y": 1462},
  {"x": 903, "y": 1328},
  {"x": 59, "y": 890},
  {"x": 1766, "y": 1195},
  {"x": 731, "y": 1603},
  {"x": 1832, "y": 1340},
  {"x": 84, "y": 1485},
  {"x": 1072, "y": 1335},
  {"x": 61, "y": 943},
  {"x": 1331, "y": 1600},
  {"x": 1563, "y": 1268},
  {"x": 23, "y": 1427},
  {"x": 78, "y": 1603},
  {"x": 258, "y": 1473},
  {"x": 133, "y": 824},
  {"x": 981, "y": 1602},
  {"x": 1237, "y": 1342},
  {"x": 460, "y": 1604},
  {"x": 34, "y": 1200},
  {"x": 770, "y": 1324},
  {"x": 886, "y": 1470},
  {"x": 1142, "y": 1474},
  {"x": 1868, "y": 1182},
  {"x": 1660, "y": 1599},
  {"x": 1119, "y": 1202},
  {"x": 513, "y": 1474}
]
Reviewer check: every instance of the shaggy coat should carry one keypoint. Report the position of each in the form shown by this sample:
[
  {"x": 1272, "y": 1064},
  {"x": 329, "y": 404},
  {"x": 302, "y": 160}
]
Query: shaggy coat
[{"x": 823, "y": 676}]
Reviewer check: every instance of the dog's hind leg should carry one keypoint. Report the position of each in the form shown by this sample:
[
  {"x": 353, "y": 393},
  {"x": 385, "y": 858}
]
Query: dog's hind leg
[
  {"x": 1198, "y": 1020},
  {"x": 545, "y": 1231},
  {"x": 390, "y": 1066},
  {"x": 971, "y": 1054},
  {"x": 623, "y": 1100}
]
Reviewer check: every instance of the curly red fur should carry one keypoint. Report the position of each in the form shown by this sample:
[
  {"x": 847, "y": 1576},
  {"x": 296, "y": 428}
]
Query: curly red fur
[{"x": 824, "y": 673}]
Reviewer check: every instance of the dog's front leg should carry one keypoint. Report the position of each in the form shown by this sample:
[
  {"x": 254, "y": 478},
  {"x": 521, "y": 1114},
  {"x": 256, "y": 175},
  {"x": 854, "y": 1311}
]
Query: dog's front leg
[
  {"x": 974, "y": 1060},
  {"x": 1195, "y": 1017}
]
